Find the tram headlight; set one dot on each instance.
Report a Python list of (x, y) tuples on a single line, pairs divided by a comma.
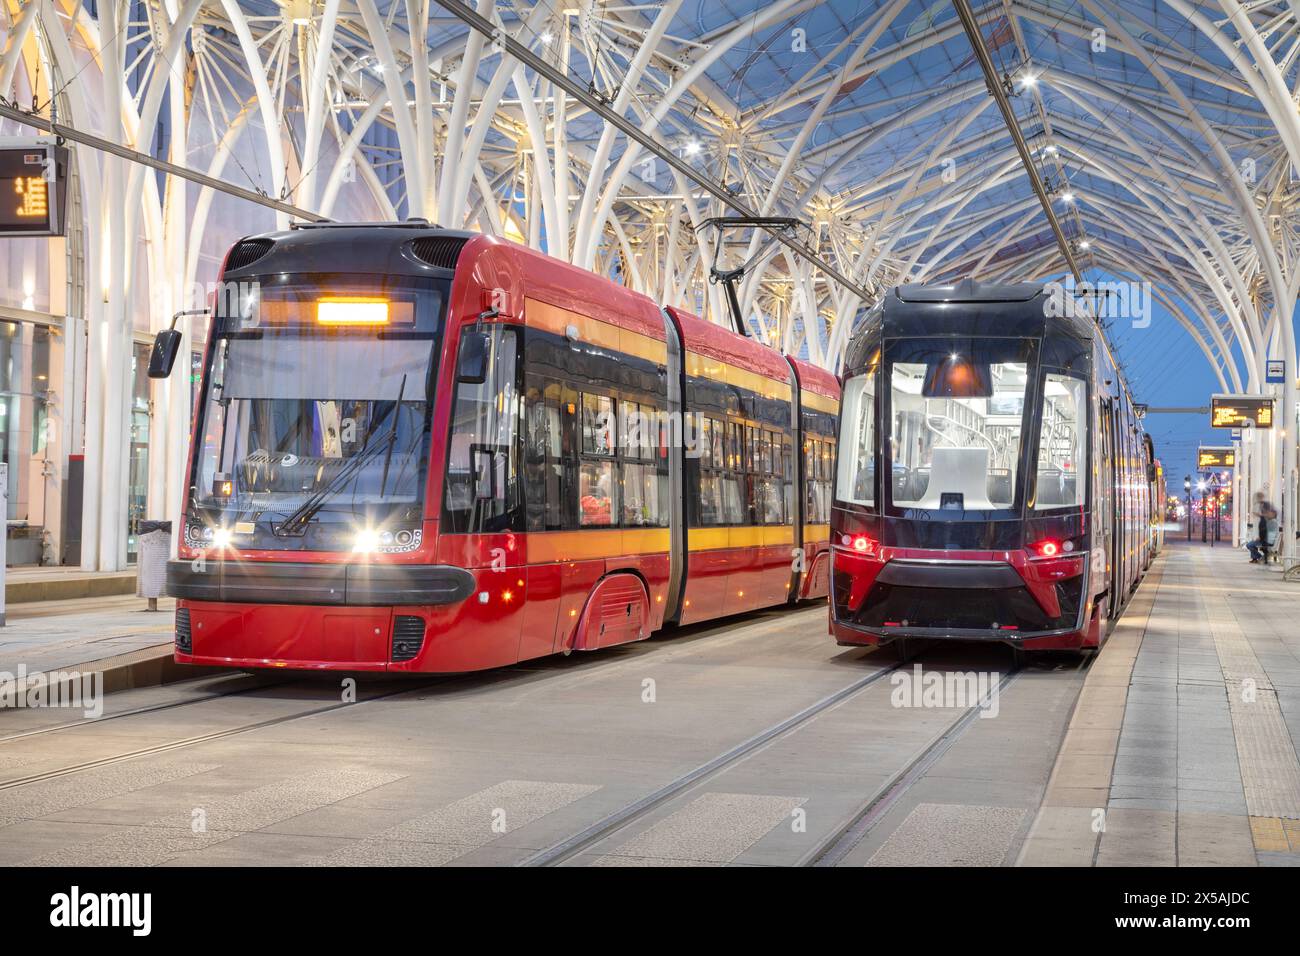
[(221, 538), (367, 540)]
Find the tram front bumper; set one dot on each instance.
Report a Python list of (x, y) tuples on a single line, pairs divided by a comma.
[(987, 596), (338, 585)]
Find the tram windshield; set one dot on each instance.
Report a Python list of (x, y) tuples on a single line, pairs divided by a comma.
[(317, 405), (958, 414)]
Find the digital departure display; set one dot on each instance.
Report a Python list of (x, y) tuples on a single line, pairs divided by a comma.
[(1234, 411), (33, 187), (1215, 458)]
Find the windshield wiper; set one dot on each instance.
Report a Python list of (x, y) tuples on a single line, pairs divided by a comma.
[(392, 438), (309, 508)]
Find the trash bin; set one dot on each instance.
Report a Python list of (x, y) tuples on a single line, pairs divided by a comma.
[(154, 539)]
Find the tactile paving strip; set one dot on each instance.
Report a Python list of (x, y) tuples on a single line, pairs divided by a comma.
[(1270, 770)]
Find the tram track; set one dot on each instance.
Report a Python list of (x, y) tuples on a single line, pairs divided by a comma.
[(844, 838), (205, 738), (585, 839), (147, 709)]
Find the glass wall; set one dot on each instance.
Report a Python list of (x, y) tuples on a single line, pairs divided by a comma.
[(24, 428), (137, 495)]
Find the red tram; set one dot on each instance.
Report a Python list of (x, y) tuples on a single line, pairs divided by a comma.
[(994, 481), (424, 450)]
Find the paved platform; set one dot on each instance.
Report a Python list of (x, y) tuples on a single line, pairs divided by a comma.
[(23, 585), (1182, 746), (103, 631)]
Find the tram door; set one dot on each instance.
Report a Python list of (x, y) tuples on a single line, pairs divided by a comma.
[(1110, 476)]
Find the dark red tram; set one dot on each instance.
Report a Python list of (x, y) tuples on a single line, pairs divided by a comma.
[(993, 479), (422, 450)]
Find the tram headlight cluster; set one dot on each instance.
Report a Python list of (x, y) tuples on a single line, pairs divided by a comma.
[(206, 536), (385, 541)]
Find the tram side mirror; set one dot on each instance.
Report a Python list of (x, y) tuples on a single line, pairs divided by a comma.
[(473, 362), (166, 346), (957, 377), (483, 459)]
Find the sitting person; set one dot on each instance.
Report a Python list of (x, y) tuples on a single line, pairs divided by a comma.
[(1264, 514)]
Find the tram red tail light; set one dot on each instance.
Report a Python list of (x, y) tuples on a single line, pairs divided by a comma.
[(860, 543), (1052, 548)]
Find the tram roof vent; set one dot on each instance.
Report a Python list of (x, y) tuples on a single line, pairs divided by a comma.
[(247, 252), (968, 290), (440, 251)]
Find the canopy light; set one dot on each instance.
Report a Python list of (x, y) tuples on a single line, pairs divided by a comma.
[(351, 310)]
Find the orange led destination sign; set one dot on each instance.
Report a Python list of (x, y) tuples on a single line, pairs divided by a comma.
[(33, 187), (1215, 458), (1235, 411)]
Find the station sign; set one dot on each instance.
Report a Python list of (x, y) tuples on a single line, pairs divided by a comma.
[(33, 186), (1275, 372), (1215, 457), (1235, 411)]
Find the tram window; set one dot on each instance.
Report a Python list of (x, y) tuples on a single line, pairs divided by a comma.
[(596, 493), (482, 478), (1062, 462), (956, 445), (597, 424), (733, 510), (711, 508), (771, 502), (856, 482), (644, 495), (817, 473), (543, 469), (704, 442), (718, 455), (640, 430)]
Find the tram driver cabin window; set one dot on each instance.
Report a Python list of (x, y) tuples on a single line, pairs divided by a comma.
[(1061, 477), (956, 422), (482, 462), (856, 481)]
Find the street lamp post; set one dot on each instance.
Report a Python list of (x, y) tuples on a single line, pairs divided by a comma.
[(1201, 487), (1187, 492), (1214, 496)]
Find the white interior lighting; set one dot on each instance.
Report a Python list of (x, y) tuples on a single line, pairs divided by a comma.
[(1067, 197), (692, 148)]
